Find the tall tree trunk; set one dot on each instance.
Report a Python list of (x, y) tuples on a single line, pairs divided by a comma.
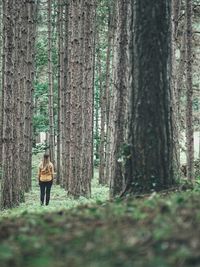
[(22, 75), (88, 62), (189, 93), (11, 187), (176, 4), (67, 97), (1, 78), (102, 123), (110, 97), (63, 98), (121, 95), (59, 134), (80, 69), (105, 101), (97, 103), (50, 79), (149, 152)]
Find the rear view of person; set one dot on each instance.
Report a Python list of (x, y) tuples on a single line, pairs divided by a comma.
[(45, 178)]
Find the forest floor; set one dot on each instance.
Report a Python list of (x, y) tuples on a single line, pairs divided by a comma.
[(158, 230), (153, 231)]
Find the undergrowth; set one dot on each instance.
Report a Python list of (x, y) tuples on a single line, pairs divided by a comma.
[(155, 231)]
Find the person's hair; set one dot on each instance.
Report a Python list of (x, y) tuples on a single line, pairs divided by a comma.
[(45, 162)]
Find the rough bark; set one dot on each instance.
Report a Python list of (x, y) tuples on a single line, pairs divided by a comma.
[(176, 4), (8, 189), (1, 79), (121, 95), (189, 94), (80, 81), (149, 152), (67, 94), (59, 170), (50, 81), (102, 161), (110, 104)]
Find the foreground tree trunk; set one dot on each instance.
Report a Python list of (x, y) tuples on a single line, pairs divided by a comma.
[(189, 111), (149, 152)]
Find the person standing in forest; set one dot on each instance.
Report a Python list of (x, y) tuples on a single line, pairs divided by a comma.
[(45, 178)]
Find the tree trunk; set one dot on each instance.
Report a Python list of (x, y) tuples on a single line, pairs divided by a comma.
[(80, 81), (67, 97), (149, 151), (102, 123), (59, 126), (8, 189), (50, 78), (121, 95), (175, 106), (189, 94), (1, 78)]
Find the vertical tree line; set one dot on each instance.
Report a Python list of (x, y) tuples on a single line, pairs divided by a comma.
[(111, 72)]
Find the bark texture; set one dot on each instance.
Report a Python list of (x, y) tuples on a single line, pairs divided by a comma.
[(189, 94), (19, 37), (121, 94), (50, 80), (80, 96), (149, 152)]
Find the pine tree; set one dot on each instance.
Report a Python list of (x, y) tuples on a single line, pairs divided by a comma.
[(149, 155)]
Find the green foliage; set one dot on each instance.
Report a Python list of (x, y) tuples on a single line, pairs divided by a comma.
[(39, 148), (40, 117)]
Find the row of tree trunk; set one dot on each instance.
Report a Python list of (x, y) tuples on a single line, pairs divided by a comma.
[(139, 131), (139, 144)]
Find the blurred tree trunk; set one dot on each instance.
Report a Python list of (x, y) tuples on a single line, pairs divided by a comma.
[(189, 94), (149, 151), (121, 96), (50, 78)]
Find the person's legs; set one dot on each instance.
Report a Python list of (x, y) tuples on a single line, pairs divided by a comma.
[(48, 190), (42, 192)]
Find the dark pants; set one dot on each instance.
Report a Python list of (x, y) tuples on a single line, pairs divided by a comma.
[(45, 189)]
